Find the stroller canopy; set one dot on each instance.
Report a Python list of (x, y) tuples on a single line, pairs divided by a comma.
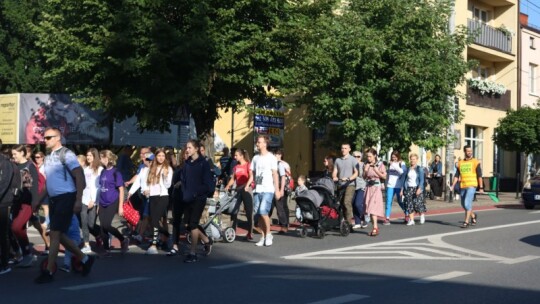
[(325, 183), (311, 195)]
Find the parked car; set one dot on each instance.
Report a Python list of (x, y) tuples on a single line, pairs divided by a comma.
[(530, 195)]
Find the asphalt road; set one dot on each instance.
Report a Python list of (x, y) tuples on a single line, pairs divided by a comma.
[(498, 261)]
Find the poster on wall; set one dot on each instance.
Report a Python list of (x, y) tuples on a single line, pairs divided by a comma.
[(77, 122), (269, 119), (9, 118)]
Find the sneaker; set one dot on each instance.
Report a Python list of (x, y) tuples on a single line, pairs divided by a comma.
[(410, 223), (26, 261), (208, 246), (87, 266), (191, 258), (269, 240), (260, 242), (249, 237), (15, 260), (363, 225), (406, 219), (86, 250), (152, 250), (5, 270), (422, 219), (44, 277), (125, 245), (386, 222), (66, 268), (357, 226)]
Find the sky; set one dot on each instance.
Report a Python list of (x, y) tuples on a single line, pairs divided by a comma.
[(531, 8)]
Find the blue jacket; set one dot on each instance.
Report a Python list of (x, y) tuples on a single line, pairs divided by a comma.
[(197, 181), (439, 168), (419, 177)]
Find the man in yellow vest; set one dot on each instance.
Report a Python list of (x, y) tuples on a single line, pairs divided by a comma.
[(469, 174)]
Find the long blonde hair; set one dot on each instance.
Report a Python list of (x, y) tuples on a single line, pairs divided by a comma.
[(153, 175)]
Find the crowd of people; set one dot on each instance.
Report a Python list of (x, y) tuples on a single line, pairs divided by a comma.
[(70, 198)]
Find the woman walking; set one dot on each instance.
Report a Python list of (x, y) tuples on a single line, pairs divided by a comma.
[(394, 184), (178, 204), (92, 172), (111, 192), (374, 172), (413, 190), (435, 172), (244, 191), (159, 181)]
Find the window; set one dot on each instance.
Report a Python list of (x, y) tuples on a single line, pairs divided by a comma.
[(483, 72), (481, 15), (531, 43), (532, 78), (474, 137)]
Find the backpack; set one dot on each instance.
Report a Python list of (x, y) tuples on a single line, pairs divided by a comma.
[(289, 181)]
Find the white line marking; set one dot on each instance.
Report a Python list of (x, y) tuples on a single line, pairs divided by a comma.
[(106, 283), (520, 259), (394, 242), (342, 299), (236, 265), (533, 212), (441, 277)]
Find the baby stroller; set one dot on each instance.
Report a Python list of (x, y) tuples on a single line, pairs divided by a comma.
[(321, 210), (213, 227)]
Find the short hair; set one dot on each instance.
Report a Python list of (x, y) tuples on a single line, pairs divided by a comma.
[(110, 156), (413, 155), (467, 147), (55, 129), (265, 137), (301, 177)]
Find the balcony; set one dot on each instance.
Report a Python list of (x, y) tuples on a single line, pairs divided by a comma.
[(496, 102), (489, 36)]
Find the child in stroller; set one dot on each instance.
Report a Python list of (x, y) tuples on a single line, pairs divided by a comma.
[(319, 207)]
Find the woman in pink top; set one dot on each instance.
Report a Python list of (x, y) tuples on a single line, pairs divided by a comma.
[(243, 178), (374, 172)]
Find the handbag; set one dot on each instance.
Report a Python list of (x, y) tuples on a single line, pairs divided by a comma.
[(131, 215)]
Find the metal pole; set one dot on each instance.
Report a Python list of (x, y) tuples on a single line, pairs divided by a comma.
[(517, 184)]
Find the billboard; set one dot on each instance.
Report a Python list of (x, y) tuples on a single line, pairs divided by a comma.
[(77, 122), (269, 119), (9, 118)]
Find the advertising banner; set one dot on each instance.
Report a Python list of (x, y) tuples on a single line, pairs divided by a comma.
[(9, 118), (78, 123), (269, 119)]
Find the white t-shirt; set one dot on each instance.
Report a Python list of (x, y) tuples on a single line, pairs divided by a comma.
[(411, 178), (262, 167), (92, 185), (394, 175)]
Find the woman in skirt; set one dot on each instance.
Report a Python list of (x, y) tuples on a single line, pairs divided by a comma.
[(413, 190)]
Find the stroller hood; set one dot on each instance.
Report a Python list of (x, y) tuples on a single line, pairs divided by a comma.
[(311, 195), (325, 183)]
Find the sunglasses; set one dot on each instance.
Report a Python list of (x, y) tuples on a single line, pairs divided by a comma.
[(37, 157), (50, 137), (358, 156)]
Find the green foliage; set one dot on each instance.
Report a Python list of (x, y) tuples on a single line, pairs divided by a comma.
[(385, 71), (519, 131), (21, 62)]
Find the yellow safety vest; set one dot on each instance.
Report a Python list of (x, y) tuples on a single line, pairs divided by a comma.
[(467, 173)]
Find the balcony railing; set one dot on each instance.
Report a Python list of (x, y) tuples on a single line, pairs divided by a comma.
[(489, 36), (496, 102)]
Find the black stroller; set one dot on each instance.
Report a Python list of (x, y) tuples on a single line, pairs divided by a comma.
[(320, 208)]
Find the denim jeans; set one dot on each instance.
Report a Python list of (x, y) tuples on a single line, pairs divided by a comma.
[(359, 206), (390, 192), (262, 202), (467, 196)]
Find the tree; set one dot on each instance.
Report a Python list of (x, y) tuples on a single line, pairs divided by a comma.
[(519, 131), (384, 71), (21, 64), (150, 58)]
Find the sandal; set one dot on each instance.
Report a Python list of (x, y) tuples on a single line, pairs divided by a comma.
[(173, 252), (374, 232), (473, 219), (465, 225)]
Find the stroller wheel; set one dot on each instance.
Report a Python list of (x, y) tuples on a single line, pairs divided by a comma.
[(302, 232), (44, 263), (229, 235), (320, 232), (344, 228)]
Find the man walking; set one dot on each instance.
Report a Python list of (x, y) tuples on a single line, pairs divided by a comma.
[(469, 174), (345, 171), (65, 184), (264, 171)]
